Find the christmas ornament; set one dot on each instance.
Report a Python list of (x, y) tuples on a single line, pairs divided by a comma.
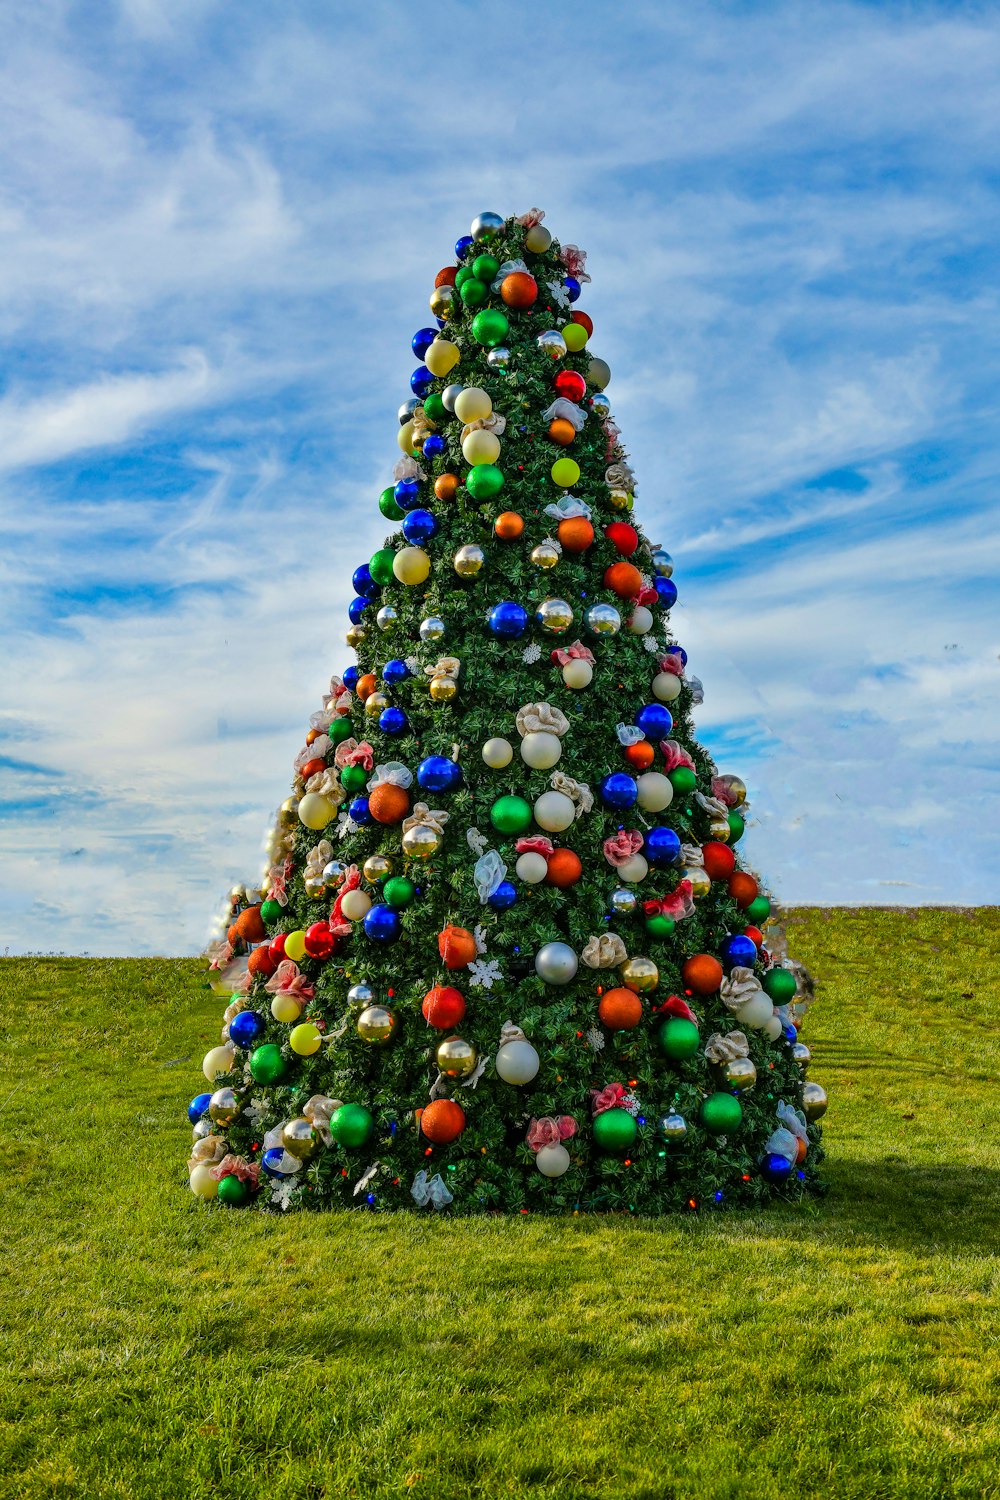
[(267, 1064), (556, 963), (509, 525), (355, 905), (565, 472), (575, 534), (510, 815), (734, 790), (552, 343), (639, 974), (517, 1062), (519, 289), (740, 1074), (376, 1025), (623, 902), (532, 868), (411, 565), (537, 239), (352, 1126), (388, 803), (305, 1039), (702, 974), (719, 860), (442, 1121), (421, 841), (666, 687), (603, 619), (814, 1101), (472, 404), (553, 1161), (554, 616), (679, 1039), (418, 526), (598, 374), (775, 1168), (484, 482), (382, 924), (546, 555), (620, 1009), (243, 1030), (569, 384), (457, 947), (563, 869), (553, 811), (440, 302), (498, 753), (224, 1106), (654, 791), (655, 721), (739, 950), (618, 791), (399, 892), (469, 560), (233, 1192), (456, 1058), (614, 1130), (443, 1007), (432, 629), (683, 780), (623, 579), (315, 811), (217, 1061), (780, 985), (481, 447), (673, 1127), (576, 337), (498, 358), (721, 1114), (508, 621), (203, 1182), (561, 432), (438, 773), (662, 846), (490, 327), (541, 750), (299, 1138)]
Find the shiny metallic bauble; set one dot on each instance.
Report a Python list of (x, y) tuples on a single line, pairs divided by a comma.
[(333, 871), (201, 1129), (239, 896), (441, 300), (376, 1025), (224, 1106), (599, 403), (432, 629), (736, 787), (663, 563), (740, 1074), (552, 343), (499, 359), (375, 702), (701, 882), (485, 227), (469, 560), (801, 1055), (620, 500), (355, 635), (421, 841), (720, 831), (387, 617), (673, 1127), (623, 902), (554, 616), (315, 886), (603, 619), (545, 555), (450, 395), (639, 974), (456, 1058), (814, 1101), (360, 995), (288, 812), (407, 409), (443, 689), (556, 963), (377, 867), (299, 1138)]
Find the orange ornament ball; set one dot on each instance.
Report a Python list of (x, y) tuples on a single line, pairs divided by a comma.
[(312, 735), (509, 525), (640, 756), (702, 974), (446, 276), (620, 1010), (457, 947), (442, 1121), (519, 289), (801, 1147), (584, 320), (575, 534), (232, 935), (623, 579), (365, 685), (564, 869), (388, 803), (720, 861), (743, 888), (261, 962), (250, 925), (446, 486), (561, 432), (313, 767)]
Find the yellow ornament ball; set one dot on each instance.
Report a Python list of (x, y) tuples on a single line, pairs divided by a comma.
[(472, 404), (305, 1039), (442, 357), (286, 1009), (202, 1182), (411, 565), (405, 437), (565, 472), (218, 1061), (315, 811), (295, 945), (481, 447), (575, 336), (537, 239)]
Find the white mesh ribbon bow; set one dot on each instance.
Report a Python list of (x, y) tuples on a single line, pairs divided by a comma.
[(629, 734), (568, 509), (430, 1190), (739, 986), (564, 410), (539, 718), (489, 873), (577, 791), (723, 1049), (393, 773)]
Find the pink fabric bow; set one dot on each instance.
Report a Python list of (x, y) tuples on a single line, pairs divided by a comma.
[(220, 955), (607, 1097), (575, 261), (550, 1130), (237, 1166), (723, 792), (675, 755), (533, 217), (620, 849), (672, 664), (351, 753), (577, 652), (678, 905), (339, 924), (646, 595), (277, 877), (536, 844), (337, 691), (286, 980)]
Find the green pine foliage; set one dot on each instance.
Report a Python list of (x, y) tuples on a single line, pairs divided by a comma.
[(490, 1166)]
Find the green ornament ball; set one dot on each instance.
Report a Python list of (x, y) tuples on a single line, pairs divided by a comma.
[(233, 1192), (353, 778), (614, 1129), (683, 780), (270, 911), (490, 327), (679, 1038), (267, 1064), (780, 985), (351, 1125), (380, 565), (484, 481), (340, 730), (659, 926), (387, 505), (399, 892), (737, 827), (434, 410), (758, 911), (721, 1113), (485, 268), (473, 293), (462, 275), (511, 815)]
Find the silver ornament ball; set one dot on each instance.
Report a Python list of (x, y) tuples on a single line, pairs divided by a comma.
[(387, 617), (450, 395), (554, 616), (499, 359), (486, 226), (673, 1127), (814, 1101), (360, 995), (432, 629), (407, 409), (603, 619), (801, 1055), (599, 403), (663, 563), (623, 901), (556, 963)]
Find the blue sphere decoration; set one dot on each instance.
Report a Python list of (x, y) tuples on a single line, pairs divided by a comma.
[(508, 620), (245, 1028), (419, 526), (439, 774), (572, 287), (356, 609), (619, 790), (406, 495), (364, 583), (395, 671), (679, 652), (739, 950), (198, 1106), (382, 923), (351, 675), (271, 1162), (463, 245), (666, 591), (393, 721), (655, 721), (505, 895), (358, 811), (791, 1035), (662, 846), (421, 380), (775, 1168), (422, 341), (433, 445)]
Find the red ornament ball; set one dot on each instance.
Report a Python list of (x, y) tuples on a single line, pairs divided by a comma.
[(443, 1007), (276, 947), (640, 756), (569, 384), (442, 1121), (623, 579), (446, 276), (702, 974), (313, 767), (519, 289), (319, 940), (584, 320), (720, 861), (755, 935), (564, 869), (743, 888), (623, 537)]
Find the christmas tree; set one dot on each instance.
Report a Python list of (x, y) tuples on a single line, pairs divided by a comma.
[(506, 956)]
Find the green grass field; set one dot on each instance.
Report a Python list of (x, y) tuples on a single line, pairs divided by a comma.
[(152, 1348)]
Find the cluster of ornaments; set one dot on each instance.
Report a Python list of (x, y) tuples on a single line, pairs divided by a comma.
[(370, 817)]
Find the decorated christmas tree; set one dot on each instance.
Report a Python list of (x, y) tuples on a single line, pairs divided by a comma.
[(506, 956)]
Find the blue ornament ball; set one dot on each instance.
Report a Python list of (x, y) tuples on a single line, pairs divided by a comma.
[(619, 790), (382, 923), (422, 341), (791, 1035), (351, 675), (356, 609), (505, 895), (421, 380), (364, 583), (666, 592), (406, 494), (572, 287), (358, 811), (662, 846), (198, 1106), (245, 1028), (395, 671), (508, 621), (438, 774), (679, 652), (419, 526), (463, 245), (271, 1162), (433, 445), (655, 721), (775, 1168), (739, 950), (393, 721)]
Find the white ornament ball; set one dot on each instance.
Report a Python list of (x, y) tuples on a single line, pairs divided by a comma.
[(756, 1012), (578, 674), (218, 1061), (655, 791), (315, 811), (556, 963), (773, 1028), (634, 869), (641, 620), (554, 811), (540, 750), (202, 1182), (356, 905), (481, 447), (498, 753), (532, 868), (552, 1161), (472, 404), (666, 687), (517, 1062)]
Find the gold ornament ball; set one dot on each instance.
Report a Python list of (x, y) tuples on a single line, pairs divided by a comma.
[(639, 974), (224, 1106), (456, 1058), (441, 300), (720, 831), (736, 787), (299, 1138), (740, 1074), (420, 842), (545, 555), (814, 1101), (701, 882), (801, 1055), (443, 689), (376, 1025), (288, 812), (375, 702), (469, 560), (620, 500), (355, 635), (554, 616), (377, 867)]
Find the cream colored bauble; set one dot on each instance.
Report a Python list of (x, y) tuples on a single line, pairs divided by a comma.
[(405, 437), (411, 565), (356, 905), (498, 753), (203, 1182), (472, 404), (315, 811), (517, 1062), (666, 687), (286, 1008), (537, 239), (554, 811), (442, 357), (552, 1161), (578, 674), (773, 1028), (541, 750), (655, 791), (634, 869), (756, 1012), (640, 621), (531, 868), (218, 1061), (480, 447)]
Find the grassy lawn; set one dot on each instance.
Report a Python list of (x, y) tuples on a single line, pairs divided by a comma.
[(155, 1349)]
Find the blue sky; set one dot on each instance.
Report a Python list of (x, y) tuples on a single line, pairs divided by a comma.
[(218, 231)]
